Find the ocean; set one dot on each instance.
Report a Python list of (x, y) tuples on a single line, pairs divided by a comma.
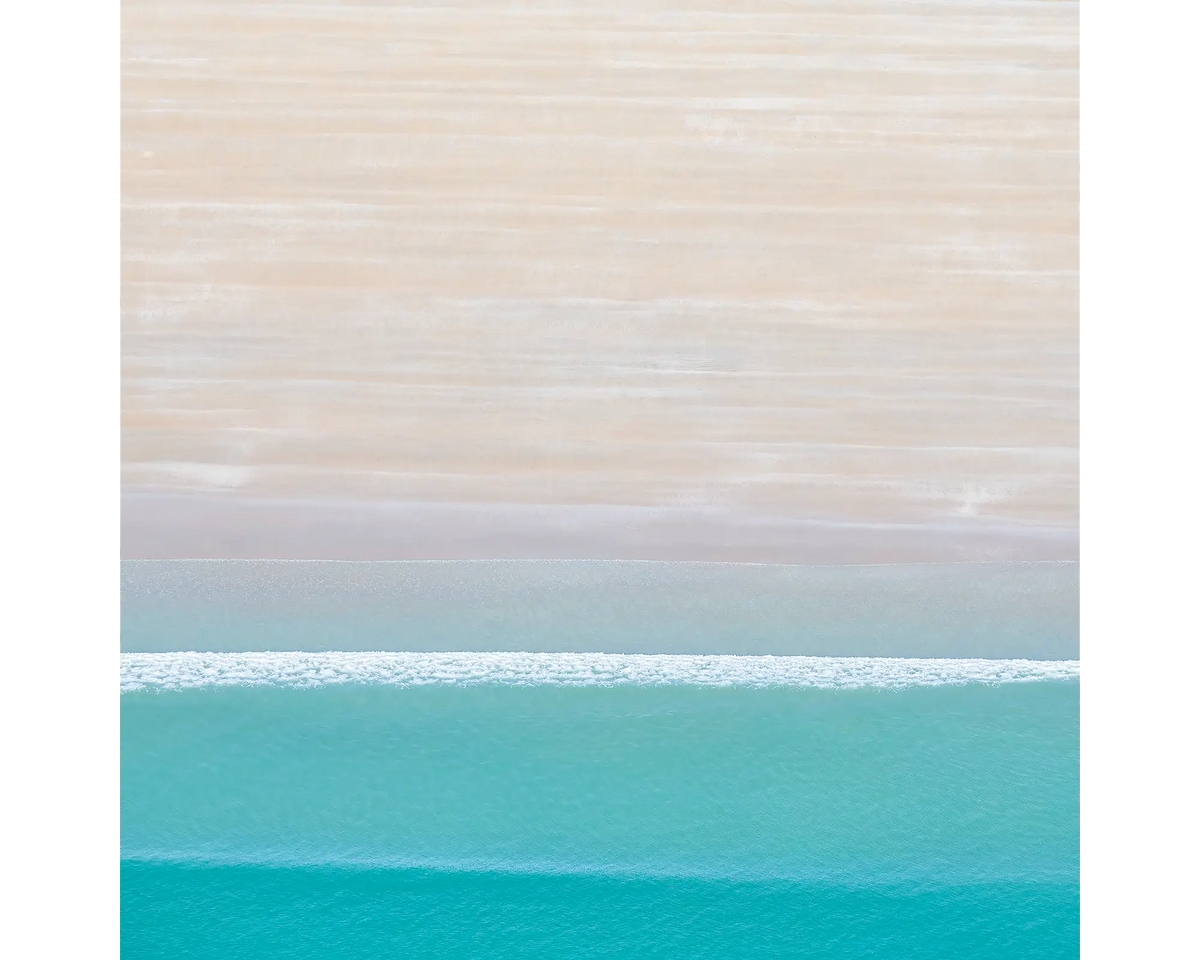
[(562, 804)]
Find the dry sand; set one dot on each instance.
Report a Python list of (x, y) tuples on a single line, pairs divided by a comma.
[(769, 281)]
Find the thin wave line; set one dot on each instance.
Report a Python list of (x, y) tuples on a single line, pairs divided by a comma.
[(724, 870)]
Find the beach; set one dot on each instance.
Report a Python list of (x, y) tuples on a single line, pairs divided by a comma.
[(600, 481)]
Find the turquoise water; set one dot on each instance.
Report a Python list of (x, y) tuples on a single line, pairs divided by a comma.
[(182, 911), (640, 820)]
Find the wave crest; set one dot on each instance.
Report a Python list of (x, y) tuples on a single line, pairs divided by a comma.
[(177, 671)]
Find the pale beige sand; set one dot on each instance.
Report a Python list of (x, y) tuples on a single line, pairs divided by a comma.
[(768, 263)]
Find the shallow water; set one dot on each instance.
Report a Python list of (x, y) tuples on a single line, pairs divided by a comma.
[(614, 606)]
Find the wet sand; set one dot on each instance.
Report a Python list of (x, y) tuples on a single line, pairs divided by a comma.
[(166, 526)]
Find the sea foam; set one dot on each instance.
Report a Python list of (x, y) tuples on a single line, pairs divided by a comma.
[(175, 671)]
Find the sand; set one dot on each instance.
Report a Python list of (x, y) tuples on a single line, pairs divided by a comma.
[(793, 282)]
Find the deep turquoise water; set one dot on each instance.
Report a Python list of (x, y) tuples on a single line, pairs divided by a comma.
[(183, 911), (543, 821)]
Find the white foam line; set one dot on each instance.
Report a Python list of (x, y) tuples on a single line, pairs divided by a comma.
[(177, 671)]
